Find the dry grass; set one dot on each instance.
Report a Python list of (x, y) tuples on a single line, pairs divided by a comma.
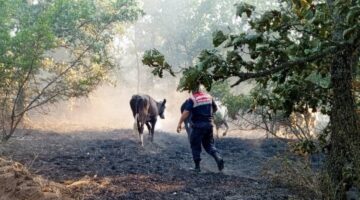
[(17, 183), (295, 173)]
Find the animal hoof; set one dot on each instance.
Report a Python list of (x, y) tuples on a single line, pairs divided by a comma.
[(224, 134)]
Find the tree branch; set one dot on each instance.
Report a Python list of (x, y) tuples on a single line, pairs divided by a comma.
[(22, 85), (243, 76)]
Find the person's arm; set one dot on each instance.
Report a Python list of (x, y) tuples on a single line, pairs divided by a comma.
[(184, 115)]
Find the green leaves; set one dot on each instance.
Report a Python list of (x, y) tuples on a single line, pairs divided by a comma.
[(218, 38), (352, 33), (276, 38), (244, 8), (353, 20), (153, 58), (245, 39), (268, 20), (302, 8), (234, 103), (194, 76), (54, 50), (305, 147), (237, 103), (300, 57), (353, 15)]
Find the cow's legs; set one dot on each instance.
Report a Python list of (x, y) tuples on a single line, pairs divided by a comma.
[(136, 124), (217, 132), (141, 135), (153, 122), (148, 127), (226, 129), (140, 126)]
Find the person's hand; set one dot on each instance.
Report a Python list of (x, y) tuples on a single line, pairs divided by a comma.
[(178, 129)]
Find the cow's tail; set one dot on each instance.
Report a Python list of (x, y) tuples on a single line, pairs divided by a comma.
[(142, 110), (136, 124)]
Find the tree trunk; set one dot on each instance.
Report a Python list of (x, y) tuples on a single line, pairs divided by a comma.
[(343, 163), (343, 159)]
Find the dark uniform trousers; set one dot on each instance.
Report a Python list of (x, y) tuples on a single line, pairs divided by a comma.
[(202, 136), (188, 127)]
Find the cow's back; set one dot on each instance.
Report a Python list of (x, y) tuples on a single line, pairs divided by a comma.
[(140, 105), (153, 108)]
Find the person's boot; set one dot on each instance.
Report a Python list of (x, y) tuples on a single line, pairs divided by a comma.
[(219, 161), (197, 166)]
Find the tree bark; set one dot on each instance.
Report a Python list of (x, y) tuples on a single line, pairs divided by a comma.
[(343, 159)]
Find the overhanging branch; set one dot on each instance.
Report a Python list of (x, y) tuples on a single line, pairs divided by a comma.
[(243, 76)]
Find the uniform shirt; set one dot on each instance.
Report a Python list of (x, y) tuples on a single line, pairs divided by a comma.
[(201, 106), (183, 106)]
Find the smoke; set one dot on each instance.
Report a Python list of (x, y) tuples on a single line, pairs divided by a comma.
[(164, 28), (106, 108)]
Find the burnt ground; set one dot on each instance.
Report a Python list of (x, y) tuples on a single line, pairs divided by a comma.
[(110, 164)]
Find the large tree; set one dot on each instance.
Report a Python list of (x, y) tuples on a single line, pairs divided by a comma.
[(54, 49), (287, 50)]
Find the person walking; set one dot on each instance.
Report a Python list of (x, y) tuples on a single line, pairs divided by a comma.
[(201, 106), (187, 121)]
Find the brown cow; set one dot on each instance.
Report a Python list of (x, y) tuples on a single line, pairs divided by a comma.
[(145, 111)]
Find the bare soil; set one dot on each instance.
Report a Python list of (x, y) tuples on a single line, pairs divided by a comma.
[(110, 164)]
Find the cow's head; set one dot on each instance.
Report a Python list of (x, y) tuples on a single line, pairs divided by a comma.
[(162, 109)]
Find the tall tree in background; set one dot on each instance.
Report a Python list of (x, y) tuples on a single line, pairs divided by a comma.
[(53, 50), (287, 50)]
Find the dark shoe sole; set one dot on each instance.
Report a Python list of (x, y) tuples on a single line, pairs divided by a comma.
[(195, 170)]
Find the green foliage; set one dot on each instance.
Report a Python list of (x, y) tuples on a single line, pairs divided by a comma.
[(305, 147), (220, 90), (293, 55), (277, 38), (244, 8), (194, 76), (54, 50), (155, 59), (218, 38), (235, 104), (351, 34)]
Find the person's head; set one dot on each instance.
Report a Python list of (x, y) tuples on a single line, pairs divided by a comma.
[(162, 107), (199, 88)]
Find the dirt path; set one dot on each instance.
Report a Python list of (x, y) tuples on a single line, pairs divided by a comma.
[(111, 165)]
